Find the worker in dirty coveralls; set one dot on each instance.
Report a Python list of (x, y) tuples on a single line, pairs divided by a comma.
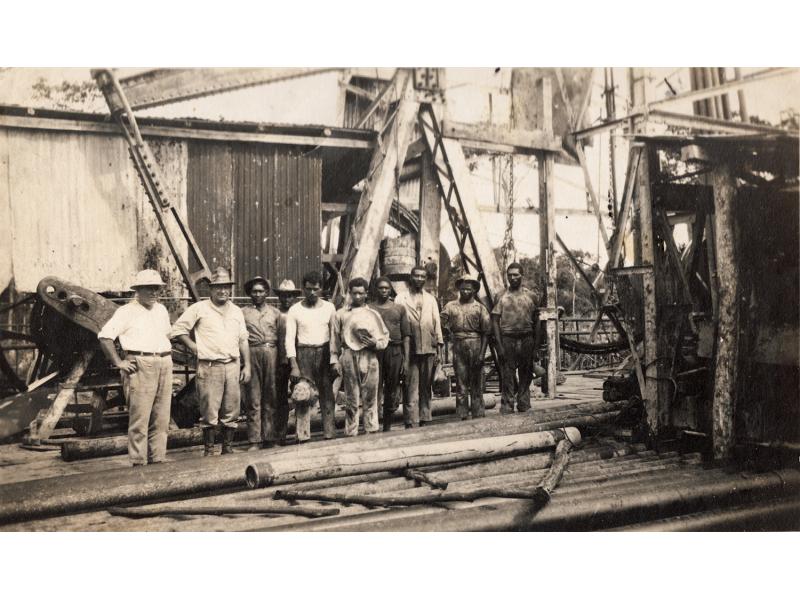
[(142, 327), (287, 294), (426, 348), (220, 343), (308, 351), (514, 323), (394, 359), (468, 324), (357, 332), (261, 321)]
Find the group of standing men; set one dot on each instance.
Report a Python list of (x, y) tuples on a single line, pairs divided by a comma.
[(388, 345)]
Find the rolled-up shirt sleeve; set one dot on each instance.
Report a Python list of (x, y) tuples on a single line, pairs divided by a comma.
[(335, 325), (291, 335), (243, 335), (111, 330), (185, 323)]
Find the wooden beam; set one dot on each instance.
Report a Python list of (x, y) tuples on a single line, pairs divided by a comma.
[(547, 236), (376, 198), (592, 195), (725, 372), (579, 267), (15, 122), (166, 86), (430, 220), (645, 204), (518, 141), (700, 123)]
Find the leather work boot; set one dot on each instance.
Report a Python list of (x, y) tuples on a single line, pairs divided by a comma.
[(227, 439), (208, 441)]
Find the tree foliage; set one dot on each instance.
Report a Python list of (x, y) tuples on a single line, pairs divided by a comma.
[(68, 95), (568, 280)]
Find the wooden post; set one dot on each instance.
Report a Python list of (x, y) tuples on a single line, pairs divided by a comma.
[(41, 429), (430, 219), (376, 199), (724, 402), (547, 236), (644, 201)]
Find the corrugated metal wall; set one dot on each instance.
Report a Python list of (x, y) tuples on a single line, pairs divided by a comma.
[(256, 208), (73, 207), (78, 211)]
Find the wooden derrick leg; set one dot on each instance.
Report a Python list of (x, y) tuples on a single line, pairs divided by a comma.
[(43, 429), (650, 392), (728, 324)]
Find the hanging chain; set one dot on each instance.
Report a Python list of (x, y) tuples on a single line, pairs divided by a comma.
[(508, 240)]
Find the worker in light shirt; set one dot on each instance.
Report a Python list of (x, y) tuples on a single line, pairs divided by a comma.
[(220, 341), (308, 351), (142, 328)]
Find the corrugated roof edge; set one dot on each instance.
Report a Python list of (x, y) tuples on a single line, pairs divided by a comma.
[(198, 124)]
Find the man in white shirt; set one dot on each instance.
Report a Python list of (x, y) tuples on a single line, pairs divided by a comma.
[(220, 340), (142, 327), (308, 350), (357, 332)]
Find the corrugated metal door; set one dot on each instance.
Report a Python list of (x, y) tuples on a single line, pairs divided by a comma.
[(256, 208), (278, 215)]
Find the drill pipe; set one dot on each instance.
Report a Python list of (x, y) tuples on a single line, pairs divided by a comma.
[(88, 491), (262, 474), (580, 512)]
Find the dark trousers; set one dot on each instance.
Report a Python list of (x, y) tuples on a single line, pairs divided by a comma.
[(282, 399), (262, 397), (417, 399), (390, 363), (468, 365), (517, 373), (314, 363)]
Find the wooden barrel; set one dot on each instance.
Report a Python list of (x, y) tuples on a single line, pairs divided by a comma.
[(398, 256)]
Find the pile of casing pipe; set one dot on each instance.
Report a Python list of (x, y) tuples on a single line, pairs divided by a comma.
[(589, 457), (776, 515), (88, 491), (181, 438), (377, 495), (622, 502), (279, 471)]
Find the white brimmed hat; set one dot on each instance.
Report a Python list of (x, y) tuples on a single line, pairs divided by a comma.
[(287, 287), (148, 277), (468, 279)]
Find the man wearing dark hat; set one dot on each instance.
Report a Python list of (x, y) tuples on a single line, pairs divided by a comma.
[(357, 332), (220, 342), (514, 322), (287, 294), (394, 360), (142, 327), (468, 324), (261, 321)]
